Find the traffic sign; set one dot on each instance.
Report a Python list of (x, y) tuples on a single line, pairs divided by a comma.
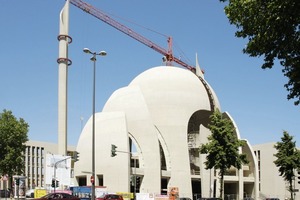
[(4, 178), (92, 180)]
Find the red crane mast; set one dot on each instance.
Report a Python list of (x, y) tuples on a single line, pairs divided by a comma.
[(105, 18)]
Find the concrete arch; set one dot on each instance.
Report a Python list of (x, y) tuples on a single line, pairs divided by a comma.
[(165, 149)]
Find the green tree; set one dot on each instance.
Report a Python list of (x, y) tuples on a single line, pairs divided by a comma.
[(223, 146), (288, 159), (13, 134), (272, 28)]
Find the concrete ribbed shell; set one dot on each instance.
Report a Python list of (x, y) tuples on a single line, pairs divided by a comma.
[(172, 90)]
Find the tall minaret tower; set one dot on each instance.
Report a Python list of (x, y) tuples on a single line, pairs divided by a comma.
[(63, 63)]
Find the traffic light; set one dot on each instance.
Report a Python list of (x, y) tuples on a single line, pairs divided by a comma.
[(132, 180), (138, 180), (113, 150), (53, 183), (17, 181), (76, 156), (298, 177), (56, 183)]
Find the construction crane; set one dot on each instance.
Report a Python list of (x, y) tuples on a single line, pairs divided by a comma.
[(168, 54)]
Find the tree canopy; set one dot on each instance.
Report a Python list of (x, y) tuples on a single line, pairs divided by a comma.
[(272, 28), (288, 159), (13, 134), (223, 146)]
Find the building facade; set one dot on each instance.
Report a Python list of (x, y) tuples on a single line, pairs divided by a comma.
[(271, 184), (163, 114), (35, 162)]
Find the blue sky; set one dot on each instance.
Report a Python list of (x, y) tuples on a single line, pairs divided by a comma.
[(254, 97)]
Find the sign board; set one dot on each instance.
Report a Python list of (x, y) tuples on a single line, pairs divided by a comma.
[(84, 192), (126, 195), (19, 186), (39, 193), (173, 193), (61, 170)]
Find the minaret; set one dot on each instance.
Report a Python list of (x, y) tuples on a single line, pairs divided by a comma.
[(63, 63), (199, 72)]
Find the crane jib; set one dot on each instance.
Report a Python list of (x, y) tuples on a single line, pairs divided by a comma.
[(105, 18)]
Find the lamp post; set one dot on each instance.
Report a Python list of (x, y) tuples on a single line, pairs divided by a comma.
[(94, 59)]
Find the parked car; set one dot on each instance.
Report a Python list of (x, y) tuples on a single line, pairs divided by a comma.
[(58, 195), (110, 197), (30, 193), (185, 198)]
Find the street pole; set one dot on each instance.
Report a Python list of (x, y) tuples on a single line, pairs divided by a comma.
[(134, 197), (93, 131), (210, 188), (93, 58)]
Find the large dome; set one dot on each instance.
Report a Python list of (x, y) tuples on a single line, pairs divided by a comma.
[(167, 92), (165, 88)]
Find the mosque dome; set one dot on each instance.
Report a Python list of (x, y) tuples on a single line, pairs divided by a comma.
[(170, 94), (165, 88)]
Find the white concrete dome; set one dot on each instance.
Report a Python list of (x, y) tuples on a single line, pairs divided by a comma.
[(158, 112), (167, 87)]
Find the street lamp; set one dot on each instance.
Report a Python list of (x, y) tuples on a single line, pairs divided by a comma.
[(93, 58)]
